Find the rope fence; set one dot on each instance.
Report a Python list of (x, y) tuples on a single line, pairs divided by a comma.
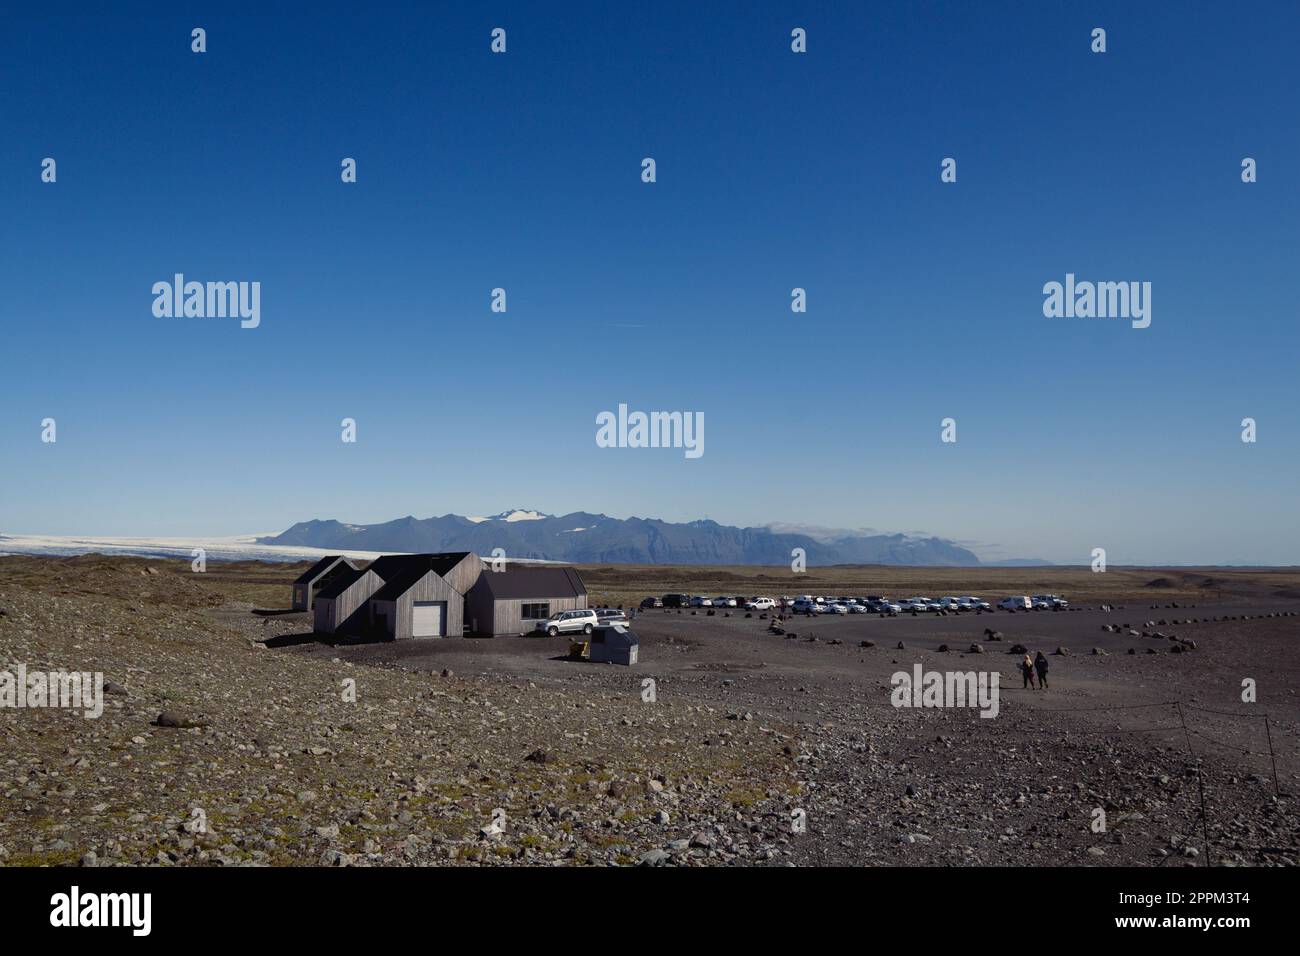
[(1188, 733)]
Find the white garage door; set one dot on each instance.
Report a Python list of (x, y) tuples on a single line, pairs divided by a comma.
[(427, 618)]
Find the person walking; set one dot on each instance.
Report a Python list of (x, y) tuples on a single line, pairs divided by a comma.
[(1027, 669), (1040, 665)]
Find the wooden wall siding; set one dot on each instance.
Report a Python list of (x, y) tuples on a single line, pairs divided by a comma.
[(431, 587), (507, 614), (478, 608), (504, 618), (388, 610), (323, 617), (464, 575), (302, 595), (347, 612)]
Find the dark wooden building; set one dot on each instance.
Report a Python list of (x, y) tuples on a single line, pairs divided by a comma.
[(341, 604), (422, 595), (316, 577), (511, 602)]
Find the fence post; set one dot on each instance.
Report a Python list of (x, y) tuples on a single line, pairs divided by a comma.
[(1277, 790), (1200, 783)]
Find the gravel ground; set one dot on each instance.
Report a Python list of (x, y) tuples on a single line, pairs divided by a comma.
[(757, 748)]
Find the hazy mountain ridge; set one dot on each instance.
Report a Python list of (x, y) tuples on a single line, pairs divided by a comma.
[(583, 537)]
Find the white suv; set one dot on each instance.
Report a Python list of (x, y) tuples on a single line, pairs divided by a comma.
[(568, 621), (760, 604)]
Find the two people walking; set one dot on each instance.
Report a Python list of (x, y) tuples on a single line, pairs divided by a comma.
[(1031, 666)]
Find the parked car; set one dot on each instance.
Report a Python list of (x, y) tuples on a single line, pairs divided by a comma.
[(760, 604), (949, 604), (835, 608), (883, 606), (920, 605), (1040, 603), (567, 622), (856, 608), (699, 601), (724, 601), (611, 616), (651, 602), (1055, 600), (677, 600), (1021, 603), (975, 604)]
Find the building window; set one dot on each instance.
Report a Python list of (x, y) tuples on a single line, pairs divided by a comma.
[(536, 611)]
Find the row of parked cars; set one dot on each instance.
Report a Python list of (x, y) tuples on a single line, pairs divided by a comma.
[(872, 604), (698, 600)]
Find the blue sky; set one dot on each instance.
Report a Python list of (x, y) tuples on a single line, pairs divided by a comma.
[(775, 170)]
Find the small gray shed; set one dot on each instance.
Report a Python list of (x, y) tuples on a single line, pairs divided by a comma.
[(613, 644)]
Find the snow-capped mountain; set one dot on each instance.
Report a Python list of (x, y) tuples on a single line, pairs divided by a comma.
[(582, 537), (514, 514)]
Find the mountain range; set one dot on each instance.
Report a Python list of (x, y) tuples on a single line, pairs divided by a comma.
[(585, 538)]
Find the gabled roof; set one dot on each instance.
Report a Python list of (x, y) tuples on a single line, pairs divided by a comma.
[(401, 572), (319, 568), (339, 582), (533, 583), (390, 566)]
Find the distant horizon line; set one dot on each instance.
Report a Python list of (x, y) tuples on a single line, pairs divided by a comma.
[(27, 545)]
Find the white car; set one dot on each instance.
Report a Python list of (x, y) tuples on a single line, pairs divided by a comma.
[(760, 604), (698, 601), (835, 608), (921, 605), (856, 608), (724, 602), (1021, 603), (567, 622), (949, 604), (970, 603), (611, 616), (1040, 603)]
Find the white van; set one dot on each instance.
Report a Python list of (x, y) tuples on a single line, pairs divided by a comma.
[(1021, 603)]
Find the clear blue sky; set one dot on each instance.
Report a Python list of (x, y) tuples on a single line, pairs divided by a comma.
[(775, 170)]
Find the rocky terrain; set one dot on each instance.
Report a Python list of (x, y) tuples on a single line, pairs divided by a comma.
[(232, 736)]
